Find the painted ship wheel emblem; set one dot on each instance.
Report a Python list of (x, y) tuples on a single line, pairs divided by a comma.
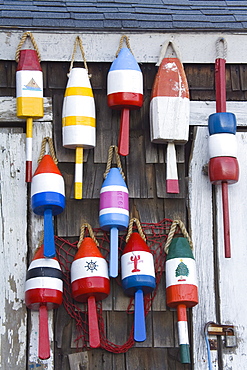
[(91, 266)]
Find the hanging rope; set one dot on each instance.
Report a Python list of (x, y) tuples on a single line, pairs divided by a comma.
[(126, 39), (78, 41), (112, 149), (139, 228), (172, 232), (24, 36), (91, 233), (164, 49), (52, 150), (223, 53)]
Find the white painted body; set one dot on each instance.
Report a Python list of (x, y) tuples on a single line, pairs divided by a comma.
[(145, 264), (124, 81), (222, 145), (80, 268)]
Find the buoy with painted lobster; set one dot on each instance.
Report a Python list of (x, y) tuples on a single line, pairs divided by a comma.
[(48, 198), (29, 93), (181, 288), (114, 210), (90, 283), (138, 278), (78, 118), (43, 291), (170, 111), (124, 90)]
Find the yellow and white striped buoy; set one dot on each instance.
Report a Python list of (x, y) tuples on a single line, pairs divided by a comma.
[(78, 120)]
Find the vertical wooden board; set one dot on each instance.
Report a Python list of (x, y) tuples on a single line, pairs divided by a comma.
[(13, 249), (201, 232), (117, 327), (150, 210), (148, 342), (163, 329), (143, 359), (232, 271), (159, 302)]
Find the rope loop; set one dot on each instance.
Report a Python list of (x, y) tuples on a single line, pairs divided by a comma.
[(223, 53), (174, 225), (112, 149), (51, 147), (139, 228), (164, 49), (23, 39), (78, 41), (126, 39), (82, 233)]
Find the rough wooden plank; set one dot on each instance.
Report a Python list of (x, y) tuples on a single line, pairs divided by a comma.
[(201, 232), (78, 361), (159, 302), (117, 327), (151, 359), (13, 249), (160, 174), (235, 77), (243, 76), (163, 329), (149, 210)]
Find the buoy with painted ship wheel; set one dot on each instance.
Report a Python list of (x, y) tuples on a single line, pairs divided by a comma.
[(138, 279), (29, 94), (43, 291), (90, 283), (181, 288), (48, 198), (170, 111), (124, 91)]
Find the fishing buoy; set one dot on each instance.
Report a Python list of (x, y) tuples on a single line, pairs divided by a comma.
[(43, 291), (114, 212), (78, 120), (48, 198), (181, 288), (169, 114), (29, 96), (223, 166), (124, 92), (90, 283), (138, 279)]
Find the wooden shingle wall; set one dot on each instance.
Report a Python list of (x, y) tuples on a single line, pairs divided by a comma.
[(145, 176)]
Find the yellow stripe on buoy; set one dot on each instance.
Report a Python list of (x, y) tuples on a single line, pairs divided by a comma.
[(75, 120), (85, 91), (78, 172), (29, 127), (29, 107)]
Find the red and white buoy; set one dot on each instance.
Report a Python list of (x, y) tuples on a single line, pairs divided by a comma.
[(169, 113), (29, 94), (90, 282), (43, 291)]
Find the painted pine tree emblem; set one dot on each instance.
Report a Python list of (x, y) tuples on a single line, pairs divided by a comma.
[(182, 270)]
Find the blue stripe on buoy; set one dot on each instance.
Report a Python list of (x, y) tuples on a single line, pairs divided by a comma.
[(47, 199), (109, 220), (222, 122), (132, 283), (125, 60)]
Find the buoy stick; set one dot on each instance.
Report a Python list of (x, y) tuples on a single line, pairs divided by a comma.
[(220, 84), (172, 185), (94, 337), (123, 143), (139, 317), (113, 269), (226, 220), (44, 343), (29, 139), (78, 172), (183, 336), (49, 244)]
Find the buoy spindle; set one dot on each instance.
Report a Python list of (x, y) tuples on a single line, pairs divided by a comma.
[(139, 317), (78, 173), (44, 341), (123, 142)]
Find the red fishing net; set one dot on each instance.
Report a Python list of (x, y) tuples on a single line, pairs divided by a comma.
[(156, 236)]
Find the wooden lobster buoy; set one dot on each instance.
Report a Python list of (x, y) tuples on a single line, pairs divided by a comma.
[(181, 288), (138, 278), (169, 114), (43, 291), (78, 120), (29, 94), (124, 92), (114, 212), (223, 165), (48, 198), (90, 282)]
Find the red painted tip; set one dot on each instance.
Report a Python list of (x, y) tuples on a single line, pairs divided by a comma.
[(29, 60), (28, 171), (40, 253), (44, 343), (88, 248), (123, 143), (136, 243), (47, 165), (94, 337), (172, 186)]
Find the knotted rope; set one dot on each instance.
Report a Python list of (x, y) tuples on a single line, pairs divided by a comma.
[(112, 149), (24, 36), (52, 150), (174, 225)]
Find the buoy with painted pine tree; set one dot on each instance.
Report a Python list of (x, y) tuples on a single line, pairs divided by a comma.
[(90, 283), (48, 198), (170, 111), (181, 288), (124, 91), (43, 291), (78, 119), (29, 93)]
